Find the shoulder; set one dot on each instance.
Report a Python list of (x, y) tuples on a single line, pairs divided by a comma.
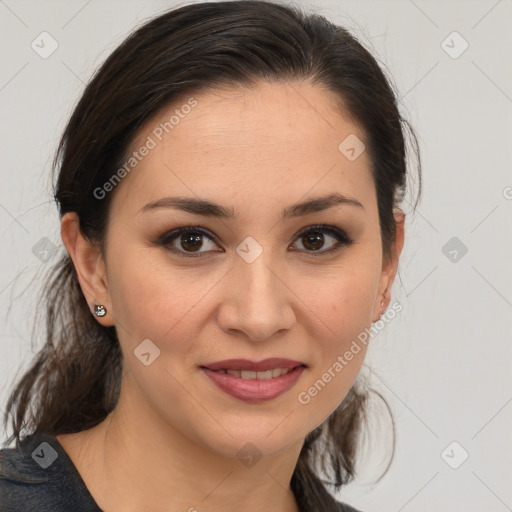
[(37, 474)]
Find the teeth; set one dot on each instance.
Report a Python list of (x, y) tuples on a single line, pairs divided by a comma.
[(265, 375), (277, 372)]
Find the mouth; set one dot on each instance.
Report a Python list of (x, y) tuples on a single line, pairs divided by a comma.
[(254, 381), (271, 373)]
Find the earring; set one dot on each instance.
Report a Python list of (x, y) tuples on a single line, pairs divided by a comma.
[(100, 310)]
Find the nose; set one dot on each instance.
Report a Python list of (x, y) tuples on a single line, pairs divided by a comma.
[(256, 301)]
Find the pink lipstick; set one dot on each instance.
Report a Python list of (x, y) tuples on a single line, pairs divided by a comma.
[(254, 381)]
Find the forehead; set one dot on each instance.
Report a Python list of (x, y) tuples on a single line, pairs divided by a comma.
[(274, 141)]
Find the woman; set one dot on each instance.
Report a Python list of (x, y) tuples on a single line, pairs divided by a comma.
[(229, 188)]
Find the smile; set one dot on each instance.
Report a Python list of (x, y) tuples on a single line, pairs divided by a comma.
[(264, 375), (254, 382)]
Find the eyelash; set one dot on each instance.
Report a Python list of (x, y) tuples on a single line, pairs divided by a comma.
[(342, 239)]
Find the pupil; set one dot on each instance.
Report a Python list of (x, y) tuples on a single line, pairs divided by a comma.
[(316, 240), (191, 242)]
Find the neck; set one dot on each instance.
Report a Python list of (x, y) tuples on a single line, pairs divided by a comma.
[(135, 461)]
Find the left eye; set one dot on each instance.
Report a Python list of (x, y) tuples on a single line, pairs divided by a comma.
[(314, 238)]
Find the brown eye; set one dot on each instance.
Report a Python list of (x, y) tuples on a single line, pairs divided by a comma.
[(313, 241), (323, 239), (189, 241)]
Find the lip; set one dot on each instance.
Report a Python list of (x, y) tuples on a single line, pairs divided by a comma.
[(251, 366), (254, 390)]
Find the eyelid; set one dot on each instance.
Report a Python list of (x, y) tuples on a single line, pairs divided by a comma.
[(326, 228)]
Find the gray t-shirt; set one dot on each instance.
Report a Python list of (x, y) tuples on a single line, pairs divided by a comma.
[(39, 476)]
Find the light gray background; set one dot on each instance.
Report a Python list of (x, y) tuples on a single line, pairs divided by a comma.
[(444, 362)]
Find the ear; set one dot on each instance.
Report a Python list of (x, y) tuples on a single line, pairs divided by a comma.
[(390, 267), (89, 266)]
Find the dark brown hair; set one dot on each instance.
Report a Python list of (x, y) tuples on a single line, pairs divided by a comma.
[(74, 381)]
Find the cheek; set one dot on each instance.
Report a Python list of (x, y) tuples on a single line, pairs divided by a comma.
[(152, 299), (344, 306), (343, 300)]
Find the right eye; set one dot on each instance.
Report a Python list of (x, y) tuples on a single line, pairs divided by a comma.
[(187, 241)]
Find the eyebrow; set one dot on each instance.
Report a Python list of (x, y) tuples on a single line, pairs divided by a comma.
[(208, 208)]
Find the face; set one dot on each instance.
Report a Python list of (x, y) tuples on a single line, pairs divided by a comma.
[(270, 278)]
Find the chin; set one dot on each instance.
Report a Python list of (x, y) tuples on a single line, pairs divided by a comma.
[(250, 441), (247, 447)]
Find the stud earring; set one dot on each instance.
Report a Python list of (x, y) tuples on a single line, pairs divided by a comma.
[(100, 310)]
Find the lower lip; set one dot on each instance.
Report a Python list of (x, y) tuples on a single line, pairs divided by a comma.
[(254, 390)]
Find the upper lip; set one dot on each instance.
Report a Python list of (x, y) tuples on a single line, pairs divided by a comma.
[(245, 364)]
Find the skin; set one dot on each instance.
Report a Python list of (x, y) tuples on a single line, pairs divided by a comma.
[(171, 442)]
